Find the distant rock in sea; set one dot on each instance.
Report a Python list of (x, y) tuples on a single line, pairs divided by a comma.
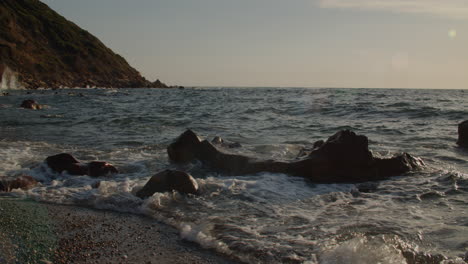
[(40, 48), (463, 134)]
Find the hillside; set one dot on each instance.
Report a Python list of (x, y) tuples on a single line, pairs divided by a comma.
[(40, 48)]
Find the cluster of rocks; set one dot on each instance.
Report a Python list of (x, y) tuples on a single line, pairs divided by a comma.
[(342, 158)]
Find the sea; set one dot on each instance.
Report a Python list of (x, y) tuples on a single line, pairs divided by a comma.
[(418, 217)]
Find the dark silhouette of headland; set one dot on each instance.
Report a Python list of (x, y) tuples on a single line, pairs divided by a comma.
[(40, 48)]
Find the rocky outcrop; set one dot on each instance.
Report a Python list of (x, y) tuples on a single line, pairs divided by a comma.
[(169, 180), (344, 157), (66, 162), (22, 182), (463, 134), (43, 49)]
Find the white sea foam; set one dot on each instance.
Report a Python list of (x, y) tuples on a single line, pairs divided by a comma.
[(364, 250)]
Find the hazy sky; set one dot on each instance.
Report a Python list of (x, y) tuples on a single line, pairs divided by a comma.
[(294, 43)]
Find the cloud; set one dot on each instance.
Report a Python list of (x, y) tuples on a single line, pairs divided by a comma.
[(455, 9)]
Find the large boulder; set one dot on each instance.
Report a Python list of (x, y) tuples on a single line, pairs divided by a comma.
[(66, 162), (22, 182), (344, 157), (463, 134), (169, 180)]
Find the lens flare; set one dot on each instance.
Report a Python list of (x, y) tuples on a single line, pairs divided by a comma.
[(452, 33)]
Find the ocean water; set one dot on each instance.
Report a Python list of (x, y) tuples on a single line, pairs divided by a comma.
[(262, 218)]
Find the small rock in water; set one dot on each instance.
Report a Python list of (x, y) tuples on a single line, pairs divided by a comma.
[(463, 134)]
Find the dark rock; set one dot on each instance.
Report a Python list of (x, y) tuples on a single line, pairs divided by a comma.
[(184, 148), (30, 104), (169, 180), (344, 157), (318, 144), (66, 162), (100, 168), (463, 134), (22, 182)]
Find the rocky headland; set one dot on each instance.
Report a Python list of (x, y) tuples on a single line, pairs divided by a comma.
[(40, 48)]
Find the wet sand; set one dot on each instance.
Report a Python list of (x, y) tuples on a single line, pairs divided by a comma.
[(48, 233)]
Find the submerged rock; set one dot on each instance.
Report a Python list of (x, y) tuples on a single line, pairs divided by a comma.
[(22, 182), (463, 134), (344, 157), (169, 180), (66, 162)]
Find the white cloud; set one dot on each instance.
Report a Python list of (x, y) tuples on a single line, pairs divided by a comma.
[(455, 9)]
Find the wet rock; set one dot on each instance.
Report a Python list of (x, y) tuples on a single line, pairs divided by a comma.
[(31, 104), (100, 168), (318, 144), (225, 144), (66, 162), (169, 180), (463, 134), (22, 182), (344, 157), (184, 148)]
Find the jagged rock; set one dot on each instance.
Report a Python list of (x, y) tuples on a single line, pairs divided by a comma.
[(463, 134), (169, 180), (344, 157)]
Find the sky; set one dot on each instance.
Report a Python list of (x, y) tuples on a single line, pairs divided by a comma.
[(284, 43)]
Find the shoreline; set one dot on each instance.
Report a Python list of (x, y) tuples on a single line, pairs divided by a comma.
[(50, 233)]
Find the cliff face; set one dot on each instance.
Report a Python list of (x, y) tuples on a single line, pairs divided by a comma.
[(40, 48)]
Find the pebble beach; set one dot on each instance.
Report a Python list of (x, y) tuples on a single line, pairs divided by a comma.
[(48, 233)]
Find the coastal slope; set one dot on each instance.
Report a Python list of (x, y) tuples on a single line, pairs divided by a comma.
[(40, 48)]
